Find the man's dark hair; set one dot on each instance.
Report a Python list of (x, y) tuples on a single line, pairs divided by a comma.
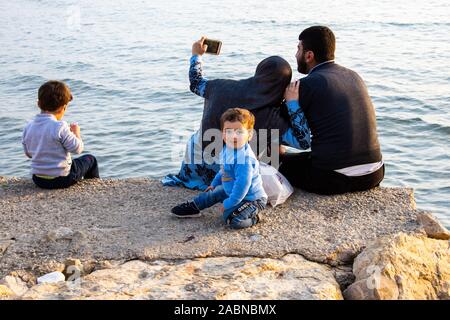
[(53, 94), (320, 40)]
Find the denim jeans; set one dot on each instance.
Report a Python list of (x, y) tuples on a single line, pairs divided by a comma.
[(84, 167), (243, 215)]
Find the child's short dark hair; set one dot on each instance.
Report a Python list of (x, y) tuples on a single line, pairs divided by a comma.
[(53, 94), (237, 114)]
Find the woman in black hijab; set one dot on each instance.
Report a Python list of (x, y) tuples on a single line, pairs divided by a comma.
[(262, 94)]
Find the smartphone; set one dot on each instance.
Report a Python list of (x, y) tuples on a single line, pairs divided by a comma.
[(213, 46)]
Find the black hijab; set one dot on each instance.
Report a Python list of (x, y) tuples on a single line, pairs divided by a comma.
[(262, 94)]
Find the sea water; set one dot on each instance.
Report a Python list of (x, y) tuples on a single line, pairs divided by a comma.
[(127, 65)]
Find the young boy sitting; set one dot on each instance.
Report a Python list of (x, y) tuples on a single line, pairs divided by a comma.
[(238, 184), (48, 141)]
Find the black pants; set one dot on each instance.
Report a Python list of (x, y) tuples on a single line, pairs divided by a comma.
[(83, 167), (298, 169)]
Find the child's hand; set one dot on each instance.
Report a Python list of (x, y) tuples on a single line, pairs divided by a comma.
[(221, 208), (209, 188), (292, 91), (198, 48), (75, 128)]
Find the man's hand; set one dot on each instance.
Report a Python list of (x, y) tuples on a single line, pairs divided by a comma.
[(75, 128), (198, 48), (221, 208), (209, 188), (292, 91)]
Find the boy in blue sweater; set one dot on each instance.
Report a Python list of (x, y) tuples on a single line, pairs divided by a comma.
[(238, 184)]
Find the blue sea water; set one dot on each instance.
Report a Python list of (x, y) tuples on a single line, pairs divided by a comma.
[(127, 61)]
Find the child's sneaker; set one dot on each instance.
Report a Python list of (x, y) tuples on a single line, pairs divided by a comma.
[(186, 210)]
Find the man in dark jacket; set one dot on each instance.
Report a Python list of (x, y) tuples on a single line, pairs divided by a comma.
[(345, 153)]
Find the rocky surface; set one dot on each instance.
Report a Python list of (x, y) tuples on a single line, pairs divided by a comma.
[(291, 277), (432, 226), (102, 224), (6, 292), (129, 219), (17, 286), (402, 267)]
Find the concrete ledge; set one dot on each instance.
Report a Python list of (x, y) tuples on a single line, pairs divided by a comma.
[(129, 219)]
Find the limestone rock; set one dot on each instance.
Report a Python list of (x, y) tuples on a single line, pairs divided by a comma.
[(402, 267), (291, 277), (27, 277), (372, 288), (73, 268), (16, 285), (5, 292), (50, 266), (432, 226)]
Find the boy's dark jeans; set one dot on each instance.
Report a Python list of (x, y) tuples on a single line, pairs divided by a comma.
[(83, 167), (243, 215)]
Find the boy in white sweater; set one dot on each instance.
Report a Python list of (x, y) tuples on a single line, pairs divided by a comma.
[(48, 141)]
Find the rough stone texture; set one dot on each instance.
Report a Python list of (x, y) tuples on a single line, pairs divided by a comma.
[(402, 267), (372, 288), (291, 277), (121, 220), (17, 285), (6, 293), (303, 249), (27, 277), (344, 276), (4, 245), (432, 226)]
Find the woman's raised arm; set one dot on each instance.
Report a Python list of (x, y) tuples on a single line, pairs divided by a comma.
[(196, 79)]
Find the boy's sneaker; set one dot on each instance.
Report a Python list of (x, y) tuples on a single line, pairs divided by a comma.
[(186, 210)]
